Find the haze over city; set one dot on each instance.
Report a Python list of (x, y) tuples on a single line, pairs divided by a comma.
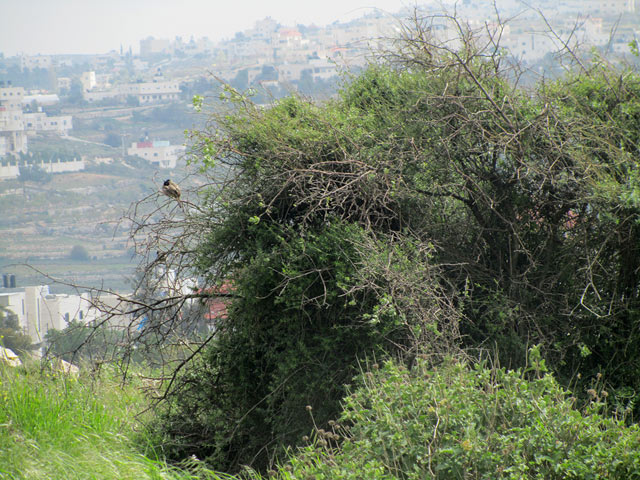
[(76, 26), (354, 239)]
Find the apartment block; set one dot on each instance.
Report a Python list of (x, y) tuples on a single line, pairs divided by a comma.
[(40, 122)]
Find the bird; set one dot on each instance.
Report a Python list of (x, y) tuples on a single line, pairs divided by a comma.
[(171, 189)]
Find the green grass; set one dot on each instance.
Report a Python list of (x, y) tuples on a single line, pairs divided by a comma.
[(54, 426)]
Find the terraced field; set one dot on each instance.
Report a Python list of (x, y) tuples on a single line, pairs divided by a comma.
[(40, 223)]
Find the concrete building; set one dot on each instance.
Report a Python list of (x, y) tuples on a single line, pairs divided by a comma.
[(41, 99), (40, 122), (151, 92), (64, 83), (12, 131), (29, 62), (12, 121), (10, 168), (15, 125), (11, 97), (88, 80), (39, 311), (14, 301), (609, 8), (145, 92), (154, 46), (158, 153)]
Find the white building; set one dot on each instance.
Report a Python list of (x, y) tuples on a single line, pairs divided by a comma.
[(3, 151), (159, 153), (39, 311), (145, 92), (29, 62), (14, 138), (151, 92), (64, 83), (40, 122), (14, 124), (41, 99), (10, 168), (153, 46), (11, 97), (88, 80)]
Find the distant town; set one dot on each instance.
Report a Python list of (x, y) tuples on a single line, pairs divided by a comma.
[(270, 55), (120, 116)]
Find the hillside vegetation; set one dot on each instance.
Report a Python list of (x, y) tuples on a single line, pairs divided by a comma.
[(478, 240), (57, 426)]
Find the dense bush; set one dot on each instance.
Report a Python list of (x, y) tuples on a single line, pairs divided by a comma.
[(469, 422), (79, 253), (432, 206), (11, 335)]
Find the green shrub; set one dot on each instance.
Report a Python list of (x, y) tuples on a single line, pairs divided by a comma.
[(469, 422)]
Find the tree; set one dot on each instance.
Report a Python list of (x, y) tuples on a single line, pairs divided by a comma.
[(113, 139), (81, 342), (79, 253), (433, 208), (33, 173), (76, 95), (11, 335)]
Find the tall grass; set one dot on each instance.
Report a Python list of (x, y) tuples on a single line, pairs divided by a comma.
[(55, 426)]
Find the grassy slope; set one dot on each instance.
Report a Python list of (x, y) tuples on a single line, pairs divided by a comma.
[(56, 427)]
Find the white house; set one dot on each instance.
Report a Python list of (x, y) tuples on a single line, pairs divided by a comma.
[(39, 311), (40, 122), (159, 153)]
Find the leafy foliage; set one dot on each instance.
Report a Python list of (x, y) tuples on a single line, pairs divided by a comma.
[(473, 422), (79, 341), (33, 173), (432, 206), (11, 335), (79, 253)]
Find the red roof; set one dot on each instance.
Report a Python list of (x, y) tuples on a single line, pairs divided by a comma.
[(217, 305), (217, 309)]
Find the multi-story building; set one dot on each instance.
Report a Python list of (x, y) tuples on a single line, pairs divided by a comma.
[(145, 92), (39, 311), (64, 83), (14, 138), (151, 92), (14, 124), (40, 122), (153, 46), (88, 80), (159, 153), (11, 97), (35, 61)]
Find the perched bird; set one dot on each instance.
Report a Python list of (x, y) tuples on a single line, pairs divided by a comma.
[(171, 189)]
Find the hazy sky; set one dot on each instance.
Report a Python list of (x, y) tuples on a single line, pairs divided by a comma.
[(97, 26)]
